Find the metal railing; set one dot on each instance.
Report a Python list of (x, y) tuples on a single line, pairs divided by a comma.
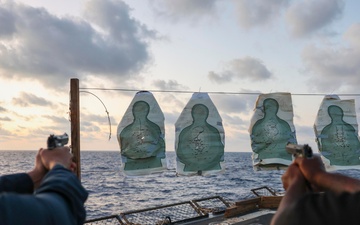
[(167, 214)]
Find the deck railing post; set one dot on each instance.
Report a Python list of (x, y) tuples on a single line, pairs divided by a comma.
[(75, 123)]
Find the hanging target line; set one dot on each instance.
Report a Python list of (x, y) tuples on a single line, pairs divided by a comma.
[(107, 112)]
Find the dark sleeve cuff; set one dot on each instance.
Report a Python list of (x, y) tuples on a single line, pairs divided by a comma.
[(19, 183), (63, 182)]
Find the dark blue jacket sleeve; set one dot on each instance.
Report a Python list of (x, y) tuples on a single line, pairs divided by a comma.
[(58, 201), (20, 183)]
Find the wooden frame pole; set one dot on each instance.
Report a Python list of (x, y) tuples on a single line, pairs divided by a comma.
[(75, 123)]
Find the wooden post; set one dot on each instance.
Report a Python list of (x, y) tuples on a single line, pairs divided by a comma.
[(75, 123)]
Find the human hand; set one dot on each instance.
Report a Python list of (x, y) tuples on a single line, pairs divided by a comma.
[(293, 176), (60, 155), (295, 185), (311, 168), (39, 170)]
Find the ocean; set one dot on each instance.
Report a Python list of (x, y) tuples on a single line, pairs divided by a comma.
[(110, 192)]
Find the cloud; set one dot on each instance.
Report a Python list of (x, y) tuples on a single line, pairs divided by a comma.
[(335, 68), (307, 16), (233, 121), (96, 128), (27, 99), (191, 10), (5, 118), (250, 13), (304, 134), (92, 124), (44, 132), (89, 127), (35, 44), (244, 68), (58, 120), (234, 103), (4, 133), (253, 13), (224, 77), (7, 27), (171, 118), (2, 109), (169, 85), (302, 17), (352, 35)]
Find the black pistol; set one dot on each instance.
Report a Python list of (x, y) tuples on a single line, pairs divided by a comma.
[(55, 141), (299, 150)]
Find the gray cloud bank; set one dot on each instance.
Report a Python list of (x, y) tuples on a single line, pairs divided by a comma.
[(302, 17), (27, 100), (306, 17), (244, 68), (337, 67), (253, 13), (35, 44), (109, 43), (175, 10)]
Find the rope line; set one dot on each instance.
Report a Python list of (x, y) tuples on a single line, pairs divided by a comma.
[(107, 112), (210, 92)]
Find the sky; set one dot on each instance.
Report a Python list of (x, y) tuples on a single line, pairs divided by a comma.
[(231, 46)]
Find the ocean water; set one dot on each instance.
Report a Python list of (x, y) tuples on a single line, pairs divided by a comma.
[(110, 192)]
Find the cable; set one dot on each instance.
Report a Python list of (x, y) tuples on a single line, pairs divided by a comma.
[(211, 92), (105, 110)]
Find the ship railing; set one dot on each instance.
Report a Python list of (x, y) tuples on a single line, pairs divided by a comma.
[(168, 214), (197, 209), (264, 191)]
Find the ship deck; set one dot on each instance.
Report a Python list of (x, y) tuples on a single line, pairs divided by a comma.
[(212, 210)]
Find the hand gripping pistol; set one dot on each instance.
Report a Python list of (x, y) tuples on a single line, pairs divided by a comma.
[(55, 141), (299, 150)]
